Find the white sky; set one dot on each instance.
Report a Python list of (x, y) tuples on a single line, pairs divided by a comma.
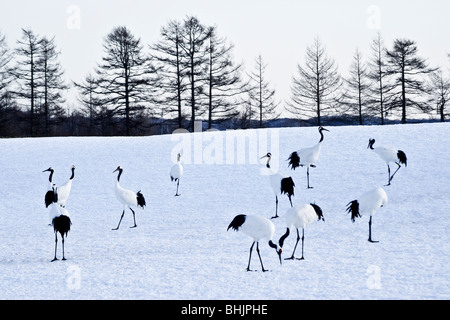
[(278, 30)]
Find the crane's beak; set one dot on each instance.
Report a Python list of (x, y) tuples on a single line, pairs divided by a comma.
[(265, 156), (46, 170), (116, 170), (325, 129)]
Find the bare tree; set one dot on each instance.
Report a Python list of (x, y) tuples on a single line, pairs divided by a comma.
[(407, 69), (6, 101), (316, 88), (357, 85), (261, 95), (125, 75), (193, 44), (168, 54), (51, 82), (223, 79), (440, 93), (378, 74), (26, 72)]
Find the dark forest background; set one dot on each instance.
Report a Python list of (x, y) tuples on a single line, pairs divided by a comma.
[(190, 74)]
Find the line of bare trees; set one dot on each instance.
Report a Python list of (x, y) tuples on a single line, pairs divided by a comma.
[(190, 73)]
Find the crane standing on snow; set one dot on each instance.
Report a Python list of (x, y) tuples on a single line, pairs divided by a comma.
[(176, 172), (280, 184), (368, 203), (60, 220), (307, 156), (258, 228), (299, 217), (63, 191), (128, 198), (389, 155)]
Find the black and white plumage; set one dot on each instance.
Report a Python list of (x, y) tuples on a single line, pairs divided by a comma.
[(389, 155), (48, 199), (280, 184), (299, 217), (128, 198), (60, 220), (257, 228), (63, 191), (307, 156), (176, 172), (368, 203)]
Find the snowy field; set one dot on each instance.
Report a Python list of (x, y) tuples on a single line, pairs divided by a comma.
[(181, 248)]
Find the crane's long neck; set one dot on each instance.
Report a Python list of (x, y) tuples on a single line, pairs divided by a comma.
[(268, 162), (321, 136), (73, 174), (51, 176), (118, 176)]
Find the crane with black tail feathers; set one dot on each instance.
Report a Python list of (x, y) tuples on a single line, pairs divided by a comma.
[(63, 191), (176, 172), (257, 228), (280, 184), (389, 155), (60, 221), (307, 156), (299, 217), (128, 198), (368, 203)]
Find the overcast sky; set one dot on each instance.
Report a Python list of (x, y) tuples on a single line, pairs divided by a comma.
[(278, 30)]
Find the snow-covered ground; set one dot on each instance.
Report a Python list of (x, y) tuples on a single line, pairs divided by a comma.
[(181, 248)]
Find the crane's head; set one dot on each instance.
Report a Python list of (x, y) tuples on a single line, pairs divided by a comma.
[(323, 129), (269, 157), (49, 169), (277, 249), (119, 168), (371, 142)]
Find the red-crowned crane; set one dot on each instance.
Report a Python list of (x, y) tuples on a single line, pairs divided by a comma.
[(128, 198), (60, 221), (280, 184), (299, 217), (307, 156), (176, 172), (389, 155), (63, 191), (368, 203), (257, 228)]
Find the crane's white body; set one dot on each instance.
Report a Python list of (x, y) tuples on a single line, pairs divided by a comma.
[(64, 190), (176, 172), (60, 220), (257, 228), (128, 198), (307, 156), (125, 196), (371, 201), (279, 183), (367, 204), (299, 217), (389, 155)]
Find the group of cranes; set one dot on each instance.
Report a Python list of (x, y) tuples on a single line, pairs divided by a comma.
[(301, 215), (255, 226), (56, 197)]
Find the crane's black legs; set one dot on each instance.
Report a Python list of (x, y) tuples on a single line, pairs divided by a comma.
[(260, 260), (370, 231), (123, 212), (295, 247), (389, 173), (134, 219), (276, 208), (250, 256), (56, 246), (178, 183), (63, 247)]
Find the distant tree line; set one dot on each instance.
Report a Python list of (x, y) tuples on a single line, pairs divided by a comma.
[(189, 73)]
